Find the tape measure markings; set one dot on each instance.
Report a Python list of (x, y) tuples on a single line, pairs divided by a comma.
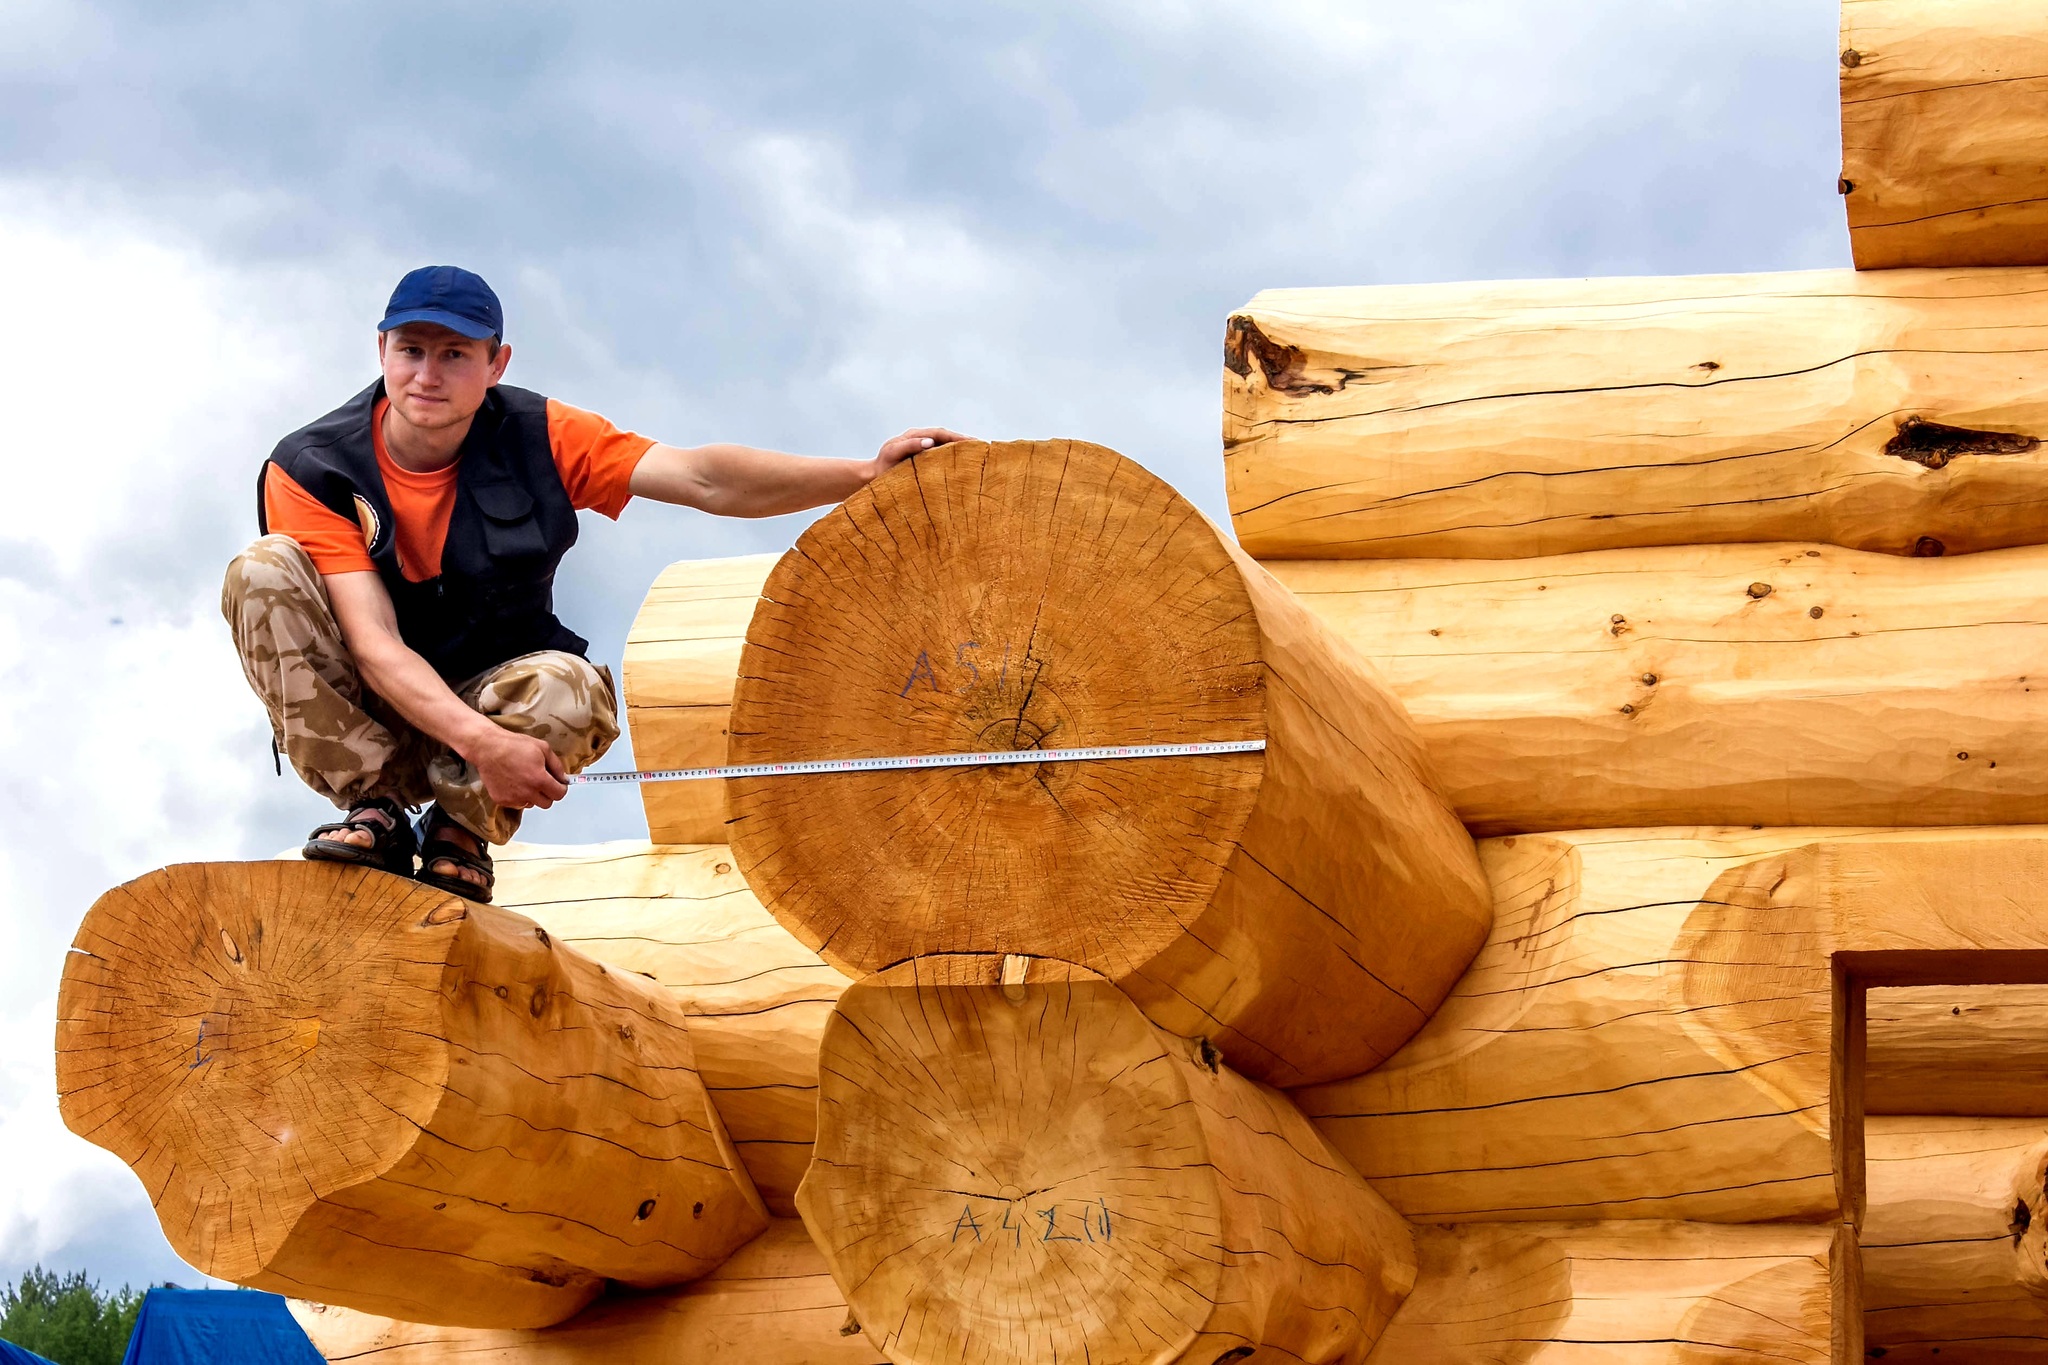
[(982, 760)]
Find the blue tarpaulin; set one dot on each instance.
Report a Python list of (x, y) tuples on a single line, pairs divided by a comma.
[(10, 1354), (217, 1327)]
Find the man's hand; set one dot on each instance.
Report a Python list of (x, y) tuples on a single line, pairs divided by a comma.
[(915, 441), (518, 771)]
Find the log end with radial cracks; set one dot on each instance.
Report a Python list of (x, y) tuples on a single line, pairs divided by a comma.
[(1010, 1155), (341, 1085), (1305, 907)]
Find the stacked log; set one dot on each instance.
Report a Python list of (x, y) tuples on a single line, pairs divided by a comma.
[(342, 1085), (1652, 1030), (771, 1304), (1014, 1166), (1977, 1050), (1941, 132), (1748, 551), (1304, 907), (1955, 1247), (682, 652), (1897, 412), (1643, 1291), (757, 1000), (1722, 684)]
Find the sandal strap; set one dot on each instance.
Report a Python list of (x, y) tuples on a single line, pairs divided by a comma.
[(376, 829), (431, 835)]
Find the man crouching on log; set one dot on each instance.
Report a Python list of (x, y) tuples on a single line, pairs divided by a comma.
[(397, 614)]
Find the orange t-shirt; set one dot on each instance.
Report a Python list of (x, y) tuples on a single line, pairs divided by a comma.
[(594, 458)]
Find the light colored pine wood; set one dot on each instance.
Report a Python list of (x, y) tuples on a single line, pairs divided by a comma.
[(681, 655), (343, 1085), (1730, 684), (1704, 703), (773, 1303), (1648, 1031), (1942, 125), (1305, 908), (1013, 1165), (1955, 1239), (1958, 1050), (1502, 420), (1623, 1293), (756, 998)]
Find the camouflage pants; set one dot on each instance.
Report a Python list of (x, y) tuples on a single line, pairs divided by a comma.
[(349, 744)]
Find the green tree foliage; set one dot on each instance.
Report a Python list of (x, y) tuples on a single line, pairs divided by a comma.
[(67, 1318)]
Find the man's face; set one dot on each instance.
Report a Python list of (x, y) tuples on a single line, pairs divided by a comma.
[(436, 378)]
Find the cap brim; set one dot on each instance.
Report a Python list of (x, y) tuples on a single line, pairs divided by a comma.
[(469, 327)]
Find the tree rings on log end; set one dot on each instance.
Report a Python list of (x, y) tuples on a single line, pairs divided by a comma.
[(1029, 1166), (1306, 906), (999, 598), (341, 1085)]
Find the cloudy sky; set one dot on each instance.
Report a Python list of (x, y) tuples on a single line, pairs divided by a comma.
[(805, 225)]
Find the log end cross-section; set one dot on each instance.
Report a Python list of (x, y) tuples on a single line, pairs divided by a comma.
[(1304, 907), (338, 1084), (1013, 1165)]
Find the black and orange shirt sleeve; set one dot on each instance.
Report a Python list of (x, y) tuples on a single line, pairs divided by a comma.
[(595, 459), (333, 542)]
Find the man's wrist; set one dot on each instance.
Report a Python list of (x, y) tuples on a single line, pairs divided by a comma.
[(476, 738)]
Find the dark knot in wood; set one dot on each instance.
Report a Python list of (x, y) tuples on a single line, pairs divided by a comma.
[(1934, 444)]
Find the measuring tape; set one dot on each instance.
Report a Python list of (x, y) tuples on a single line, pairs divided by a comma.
[(986, 760)]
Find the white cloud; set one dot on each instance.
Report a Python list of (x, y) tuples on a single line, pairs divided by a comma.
[(143, 383)]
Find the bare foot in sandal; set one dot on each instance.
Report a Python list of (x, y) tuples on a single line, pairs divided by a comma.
[(374, 833), (453, 859)]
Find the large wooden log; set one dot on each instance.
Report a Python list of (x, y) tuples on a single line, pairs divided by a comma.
[(1627, 1293), (1731, 684), (1955, 1239), (1898, 412), (682, 653), (1942, 126), (1957, 1050), (1304, 907), (773, 1303), (1013, 1165), (342, 1085), (1741, 684), (757, 999), (682, 659), (1651, 1029)]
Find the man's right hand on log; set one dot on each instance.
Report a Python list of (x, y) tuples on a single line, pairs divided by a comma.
[(518, 771)]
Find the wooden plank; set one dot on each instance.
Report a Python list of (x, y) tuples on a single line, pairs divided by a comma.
[(1506, 420), (1944, 110)]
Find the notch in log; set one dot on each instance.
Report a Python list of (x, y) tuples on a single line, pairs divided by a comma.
[(1305, 908), (340, 1085)]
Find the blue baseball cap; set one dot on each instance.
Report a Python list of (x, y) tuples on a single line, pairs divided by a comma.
[(448, 296)]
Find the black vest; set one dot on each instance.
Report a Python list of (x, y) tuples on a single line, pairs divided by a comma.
[(512, 523)]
